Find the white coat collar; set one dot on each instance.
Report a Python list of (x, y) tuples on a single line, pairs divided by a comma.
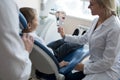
[(109, 20)]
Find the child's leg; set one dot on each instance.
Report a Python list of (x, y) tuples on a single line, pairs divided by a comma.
[(65, 49), (55, 44)]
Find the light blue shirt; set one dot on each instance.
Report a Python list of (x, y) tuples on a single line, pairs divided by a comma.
[(104, 46)]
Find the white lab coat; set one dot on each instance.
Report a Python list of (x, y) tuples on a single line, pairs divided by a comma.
[(104, 45), (14, 59)]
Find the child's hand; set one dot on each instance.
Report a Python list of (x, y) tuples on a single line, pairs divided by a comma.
[(63, 63)]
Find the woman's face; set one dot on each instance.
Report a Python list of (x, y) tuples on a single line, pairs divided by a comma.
[(95, 7)]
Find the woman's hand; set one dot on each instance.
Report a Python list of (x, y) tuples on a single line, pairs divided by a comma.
[(79, 67), (61, 31), (28, 42), (63, 63)]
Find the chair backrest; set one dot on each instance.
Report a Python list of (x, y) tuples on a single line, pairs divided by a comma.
[(44, 51), (44, 61)]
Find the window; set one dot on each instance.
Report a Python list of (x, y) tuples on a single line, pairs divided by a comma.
[(118, 8), (76, 8), (29, 3)]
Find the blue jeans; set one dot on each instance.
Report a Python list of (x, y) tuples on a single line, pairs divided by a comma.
[(61, 48)]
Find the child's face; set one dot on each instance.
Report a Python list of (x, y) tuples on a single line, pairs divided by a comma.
[(34, 24), (31, 25)]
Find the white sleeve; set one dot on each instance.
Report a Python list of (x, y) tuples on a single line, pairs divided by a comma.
[(82, 39), (112, 48), (14, 59)]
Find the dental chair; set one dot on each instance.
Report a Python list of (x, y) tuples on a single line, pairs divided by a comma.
[(45, 63)]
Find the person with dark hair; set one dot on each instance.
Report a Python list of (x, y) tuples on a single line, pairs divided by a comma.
[(103, 38), (59, 48), (30, 15)]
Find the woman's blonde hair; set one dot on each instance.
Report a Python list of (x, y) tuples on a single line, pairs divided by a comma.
[(109, 6)]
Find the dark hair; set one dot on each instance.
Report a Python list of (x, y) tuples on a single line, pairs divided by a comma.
[(29, 13)]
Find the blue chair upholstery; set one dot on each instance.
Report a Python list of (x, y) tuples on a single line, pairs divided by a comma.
[(45, 62), (23, 22)]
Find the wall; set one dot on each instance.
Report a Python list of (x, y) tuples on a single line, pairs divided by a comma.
[(71, 23), (29, 3)]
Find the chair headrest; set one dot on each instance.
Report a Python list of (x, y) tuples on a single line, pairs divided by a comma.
[(23, 21)]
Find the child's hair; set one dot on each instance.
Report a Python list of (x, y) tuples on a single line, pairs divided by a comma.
[(29, 13)]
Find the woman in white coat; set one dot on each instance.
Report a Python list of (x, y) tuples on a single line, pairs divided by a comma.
[(14, 55), (104, 44)]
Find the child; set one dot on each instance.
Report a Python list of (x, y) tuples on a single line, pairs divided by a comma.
[(61, 50)]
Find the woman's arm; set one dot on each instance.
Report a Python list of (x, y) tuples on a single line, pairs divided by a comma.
[(74, 39)]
